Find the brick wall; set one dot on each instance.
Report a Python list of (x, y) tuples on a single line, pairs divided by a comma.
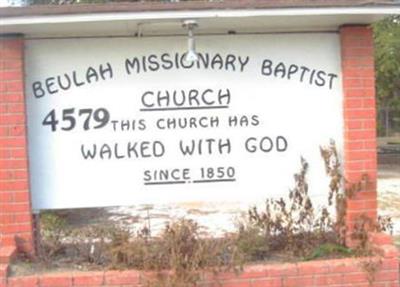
[(15, 207), (336, 273), (360, 150)]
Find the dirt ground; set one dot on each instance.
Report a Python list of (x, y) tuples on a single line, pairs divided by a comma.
[(219, 214), (389, 195), (389, 181)]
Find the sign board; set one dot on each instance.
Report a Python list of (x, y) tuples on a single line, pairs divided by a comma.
[(123, 121)]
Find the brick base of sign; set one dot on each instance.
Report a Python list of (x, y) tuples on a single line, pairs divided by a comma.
[(7, 253), (15, 202), (336, 272)]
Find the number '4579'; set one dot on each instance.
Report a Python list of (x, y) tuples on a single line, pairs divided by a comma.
[(68, 119)]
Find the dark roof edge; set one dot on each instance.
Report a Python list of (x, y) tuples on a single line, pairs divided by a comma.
[(45, 10)]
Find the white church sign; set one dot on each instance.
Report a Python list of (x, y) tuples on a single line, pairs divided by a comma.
[(122, 121)]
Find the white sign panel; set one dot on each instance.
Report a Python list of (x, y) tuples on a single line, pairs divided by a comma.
[(122, 121)]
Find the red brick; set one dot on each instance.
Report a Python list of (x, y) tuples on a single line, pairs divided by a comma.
[(13, 53), (311, 268), (12, 119), (17, 228), (353, 82), (13, 142), (360, 155), (3, 131), (8, 240), (121, 277), (371, 204), (370, 164), (10, 64), (18, 153), (355, 205), (354, 125), (354, 165), (358, 72), (359, 114), (11, 87), (26, 281), (359, 117), (282, 270), (5, 174), (269, 282), (354, 145), (354, 215), (365, 196), (15, 207), (362, 204), (5, 154), (352, 103), (20, 174), (360, 134), (13, 164), (380, 238), (7, 253), (369, 124), (355, 41), (370, 144), (57, 280), (10, 75), (3, 270), (359, 92), (328, 280), (88, 279), (390, 251), (343, 265), (22, 196), (391, 263), (298, 281), (15, 108), (358, 51), (257, 271), (13, 174), (23, 217), (14, 185), (6, 196), (17, 131), (356, 278), (359, 62), (368, 83), (11, 98), (7, 218), (369, 103), (12, 43)]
